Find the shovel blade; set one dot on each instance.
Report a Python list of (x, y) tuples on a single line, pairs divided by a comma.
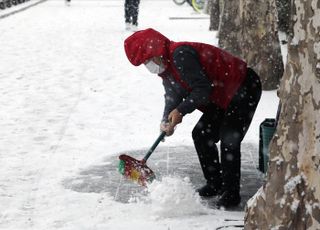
[(135, 170)]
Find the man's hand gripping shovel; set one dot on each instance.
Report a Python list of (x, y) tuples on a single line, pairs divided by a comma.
[(137, 170)]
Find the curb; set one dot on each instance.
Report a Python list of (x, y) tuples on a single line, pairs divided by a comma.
[(21, 9)]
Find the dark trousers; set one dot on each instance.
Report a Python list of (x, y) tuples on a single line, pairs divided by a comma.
[(131, 10), (229, 127)]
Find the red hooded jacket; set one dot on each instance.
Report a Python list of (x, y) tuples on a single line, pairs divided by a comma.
[(225, 71)]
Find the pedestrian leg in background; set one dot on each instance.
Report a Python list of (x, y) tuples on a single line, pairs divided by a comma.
[(127, 16), (135, 13), (131, 12), (67, 2)]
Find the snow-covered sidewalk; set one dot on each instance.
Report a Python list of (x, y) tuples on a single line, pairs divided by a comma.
[(70, 100)]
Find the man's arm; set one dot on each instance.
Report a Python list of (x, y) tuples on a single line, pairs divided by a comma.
[(187, 63), (171, 96)]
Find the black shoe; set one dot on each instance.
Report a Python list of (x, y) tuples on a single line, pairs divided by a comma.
[(209, 190), (229, 199)]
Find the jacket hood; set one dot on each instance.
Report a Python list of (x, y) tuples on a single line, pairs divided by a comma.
[(146, 44)]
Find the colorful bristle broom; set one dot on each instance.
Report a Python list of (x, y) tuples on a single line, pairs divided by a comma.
[(137, 170)]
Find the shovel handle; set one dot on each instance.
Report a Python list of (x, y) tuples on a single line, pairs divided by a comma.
[(153, 147)]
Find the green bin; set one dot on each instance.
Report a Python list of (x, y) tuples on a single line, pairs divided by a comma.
[(267, 129)]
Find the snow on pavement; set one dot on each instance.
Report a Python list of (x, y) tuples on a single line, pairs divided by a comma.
[(69, 98)]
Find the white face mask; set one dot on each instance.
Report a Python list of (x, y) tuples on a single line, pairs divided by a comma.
[(154, 68)]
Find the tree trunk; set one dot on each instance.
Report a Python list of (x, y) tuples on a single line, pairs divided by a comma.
[(260, 43), (283, 8), (214, 14), (249, 31), (290, 197), (230, 27)]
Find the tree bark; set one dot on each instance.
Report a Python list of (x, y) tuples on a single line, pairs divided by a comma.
[(230, 28), (284, 11), (260, 43), (214, 14), (290, 197), (249, 30)]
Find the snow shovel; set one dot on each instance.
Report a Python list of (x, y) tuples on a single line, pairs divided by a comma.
[(137, 170)]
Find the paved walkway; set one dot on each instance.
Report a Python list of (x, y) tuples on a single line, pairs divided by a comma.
[(180, 160)]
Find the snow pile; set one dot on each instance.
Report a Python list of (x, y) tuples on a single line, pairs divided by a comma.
[(293, 183), (174, 197)]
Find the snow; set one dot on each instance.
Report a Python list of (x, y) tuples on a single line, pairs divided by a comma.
[(291, 185), (174, 197), (295, 205), (70, 98)]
